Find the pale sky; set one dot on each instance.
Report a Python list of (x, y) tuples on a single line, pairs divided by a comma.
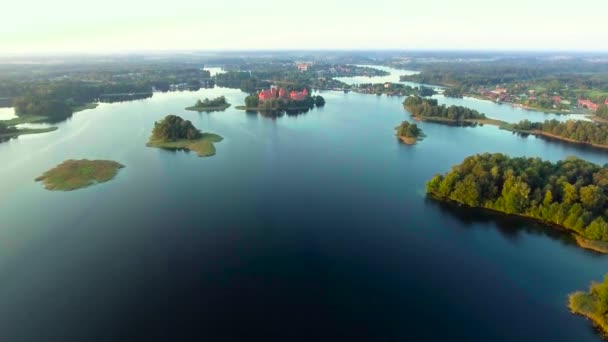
[(41, 26)]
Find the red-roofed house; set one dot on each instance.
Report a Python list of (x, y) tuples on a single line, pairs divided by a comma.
[(557, 100), (267, 94), (588, 104), (298, 95), (606, 101)]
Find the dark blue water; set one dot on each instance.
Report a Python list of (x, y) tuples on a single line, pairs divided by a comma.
[(308, 227)]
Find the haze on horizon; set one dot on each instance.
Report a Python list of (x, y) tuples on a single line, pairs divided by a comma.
[(113, 26)]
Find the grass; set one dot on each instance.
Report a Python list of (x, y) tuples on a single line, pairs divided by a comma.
[(408, 140), (585, 304), (203, 147), (595, 245), (77, 174), (439, 119), (85, 107), (209, 109), (24, 131), (23, 119)]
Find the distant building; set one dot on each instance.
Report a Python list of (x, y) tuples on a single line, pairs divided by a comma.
[(606, 101), (272, 93), (268, 94), (557, 100), (303, 67), (298, 95), (587, 103)]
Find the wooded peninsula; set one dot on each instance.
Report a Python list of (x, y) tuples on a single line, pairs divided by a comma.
[(569, 194)]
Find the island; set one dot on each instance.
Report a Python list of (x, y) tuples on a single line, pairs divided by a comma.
[(392, 89), (175, 133), (572, 131), (425, 109), (568, 194), (207, 105), (9, 130), (279, 99), (409, 133), (592, 304), (77, 174)]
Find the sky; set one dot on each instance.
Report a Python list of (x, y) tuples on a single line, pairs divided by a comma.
[(60, 26)]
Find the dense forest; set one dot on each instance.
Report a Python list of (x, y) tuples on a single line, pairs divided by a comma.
[(577, 130), (173, 128), (422, 107), (571, 193), (56, 96)]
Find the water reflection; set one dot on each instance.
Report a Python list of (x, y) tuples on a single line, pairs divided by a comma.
[(513, 228)]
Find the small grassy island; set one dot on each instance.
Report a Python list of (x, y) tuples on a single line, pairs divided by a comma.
[(207, 105), (592, 304), (409, 133), (175, 133), (76, 174), (569, 194)]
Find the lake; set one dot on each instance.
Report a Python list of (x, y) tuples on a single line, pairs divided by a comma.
[(308, 227)]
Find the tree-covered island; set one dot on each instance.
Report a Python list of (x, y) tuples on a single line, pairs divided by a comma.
[(76, 174), (571, 193), (282, 99), (175, 133), (210, 105), (409, 133), (592, 304), (426, 109)]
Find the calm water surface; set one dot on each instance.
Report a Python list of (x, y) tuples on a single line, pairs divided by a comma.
[(312, 226)]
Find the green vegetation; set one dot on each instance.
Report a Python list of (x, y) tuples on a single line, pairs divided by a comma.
[(453, 92), (176, 133), (428, 109), (575, 131), (76, 174), (570, 193), (542, 83), (392, 89), (602, 111), (409, 133), (592, 304), (9, 130), (207, 105), (278, 105), (319, 101)]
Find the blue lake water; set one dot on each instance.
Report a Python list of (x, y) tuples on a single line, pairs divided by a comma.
[(305, 227)]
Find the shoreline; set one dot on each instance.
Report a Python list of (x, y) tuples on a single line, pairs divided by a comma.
[(594, 245), (583, 304)]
